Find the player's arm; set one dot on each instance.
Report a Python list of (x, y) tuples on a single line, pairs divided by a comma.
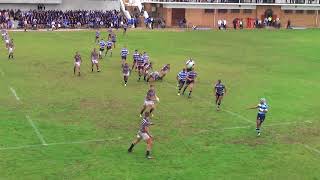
[(225, 91), (255, 107)]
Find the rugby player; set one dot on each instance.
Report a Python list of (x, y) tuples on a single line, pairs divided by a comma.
[(124, 53), (153, 76), (94, 60), (102, 45), (136, 56), (220, 91), (10, 49), (164, 70), (144, 133), (109, 47), (140, 65), (262, 110), (181, 78), (147, 67), (77, 63), (191, 76), (97, 36), (114, 39), (149, 102), (126, 73)]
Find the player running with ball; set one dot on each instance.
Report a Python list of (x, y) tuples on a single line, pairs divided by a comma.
[(262, 110), (144, 133)]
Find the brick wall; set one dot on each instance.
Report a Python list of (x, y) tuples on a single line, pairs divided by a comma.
[(203, 18)]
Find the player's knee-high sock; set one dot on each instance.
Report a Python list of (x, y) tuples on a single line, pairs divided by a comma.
[(144, 77), (184, 89), (131, 147), (190, 93), (74, 70), (142, 110)]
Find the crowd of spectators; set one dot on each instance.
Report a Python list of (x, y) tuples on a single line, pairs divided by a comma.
[(61, 19)]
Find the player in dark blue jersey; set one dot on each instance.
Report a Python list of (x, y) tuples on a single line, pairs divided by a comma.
[(220, 91), (135, 56), (124, 53), (126, 73), (97, 36), (144, 134), (109, 47), (140, 65), (102, 45), (181, 78), (262, 111), (191, 76)]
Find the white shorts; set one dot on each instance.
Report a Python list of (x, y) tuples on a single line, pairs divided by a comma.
[(77, 64), (94, 61), (143, 136), (126, 74), (148, 103), (7, 41), (10, 50)]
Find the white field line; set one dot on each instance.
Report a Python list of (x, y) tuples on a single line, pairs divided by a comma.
[(36, 130), (15, 94), (312, 149), (59, 143)]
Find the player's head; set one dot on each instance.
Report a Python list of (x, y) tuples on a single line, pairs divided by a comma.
[(136, 50), (219, 81), (77, 52), (263, 100), (168, 65), (144, 52), (94, 50), (184, 69), (126, 64), (146, 114), (151, 86)]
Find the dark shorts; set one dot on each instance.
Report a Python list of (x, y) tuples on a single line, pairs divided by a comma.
[(188, 70), (101, 49), (261, 117), (97, 37), (109, 47), (181, 82), (114, 41), (219, 94), (189, 82), (140, 67), (124, 57)]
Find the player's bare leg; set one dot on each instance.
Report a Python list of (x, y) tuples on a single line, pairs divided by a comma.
[(258, 126), (149, 147), (97, 66), (190, 90), (125, 79)]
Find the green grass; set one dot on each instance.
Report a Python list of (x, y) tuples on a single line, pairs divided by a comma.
[(190, 139)]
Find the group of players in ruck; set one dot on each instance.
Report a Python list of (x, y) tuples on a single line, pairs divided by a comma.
[(9, 45)]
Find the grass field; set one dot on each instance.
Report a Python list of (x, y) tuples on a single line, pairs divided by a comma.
[(88, 122)]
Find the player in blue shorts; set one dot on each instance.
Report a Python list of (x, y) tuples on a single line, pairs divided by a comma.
[(102, 45), (220, 92), (109, 47), (262, 110), (181, 78)]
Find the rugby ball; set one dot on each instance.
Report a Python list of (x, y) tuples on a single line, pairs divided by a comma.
[(190, 64)]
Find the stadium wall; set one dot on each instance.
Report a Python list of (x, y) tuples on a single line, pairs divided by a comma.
[(299, 16), (62, 4)]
